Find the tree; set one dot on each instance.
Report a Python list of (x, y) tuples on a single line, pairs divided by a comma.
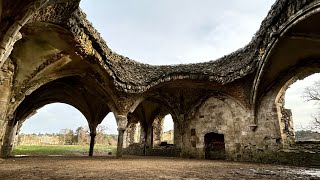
[(100, 137), (312, 93), (82, 135), (67, 136)]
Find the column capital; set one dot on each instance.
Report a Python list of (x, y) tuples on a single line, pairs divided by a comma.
[(122, 122)]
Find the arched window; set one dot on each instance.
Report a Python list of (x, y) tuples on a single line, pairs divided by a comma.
[(168, 130)]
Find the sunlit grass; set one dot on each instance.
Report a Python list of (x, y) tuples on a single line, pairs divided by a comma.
[(64, 150)]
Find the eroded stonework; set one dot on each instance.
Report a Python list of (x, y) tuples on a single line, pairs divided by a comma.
[(50, 52)]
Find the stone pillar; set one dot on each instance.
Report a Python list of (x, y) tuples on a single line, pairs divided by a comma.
[(150, 136), (9, 136), (177, 138), (180, 136), (120, 142), (157, 130), (142, 134), (6, 75), (122, 122), (129, 135), (92, 142), (126, 138)]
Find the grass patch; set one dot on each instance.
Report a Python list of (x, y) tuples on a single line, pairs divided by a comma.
[(65, 150)]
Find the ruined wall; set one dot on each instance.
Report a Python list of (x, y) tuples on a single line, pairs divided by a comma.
[(132, 135), (31, 139), (168, 137), (129, 135), (273, 140), (226, 116), (285, 122)]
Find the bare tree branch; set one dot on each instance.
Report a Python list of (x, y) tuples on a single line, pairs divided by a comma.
[(312, 93)]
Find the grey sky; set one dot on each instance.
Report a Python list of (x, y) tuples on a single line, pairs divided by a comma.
[(162, 32), (176, 31)]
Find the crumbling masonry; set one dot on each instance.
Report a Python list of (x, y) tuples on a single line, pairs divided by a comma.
[(49, 52)]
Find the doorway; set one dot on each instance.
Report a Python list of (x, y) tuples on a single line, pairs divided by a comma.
[(214, 146)]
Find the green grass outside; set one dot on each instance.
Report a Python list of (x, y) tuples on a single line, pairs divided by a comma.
[(65, 150)]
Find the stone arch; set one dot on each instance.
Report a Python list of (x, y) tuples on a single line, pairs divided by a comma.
[(299, 33), (292, 54), (73, 90), (25, 117), (51, 53), (275, 101), (12, 34), (146, 113)]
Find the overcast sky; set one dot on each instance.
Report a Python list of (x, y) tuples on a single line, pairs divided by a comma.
[(166, 32)]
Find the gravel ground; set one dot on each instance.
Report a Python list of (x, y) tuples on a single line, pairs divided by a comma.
[(137, 167)]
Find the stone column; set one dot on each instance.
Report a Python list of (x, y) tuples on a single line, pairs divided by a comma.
[(122, 122), (142, 134), (6, 75), (157, 130), (177, 138), (180, 138), (9, 135), (150, 136), (92, 142)]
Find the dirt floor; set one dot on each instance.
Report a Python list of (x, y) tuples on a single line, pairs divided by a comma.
[(137, 167)]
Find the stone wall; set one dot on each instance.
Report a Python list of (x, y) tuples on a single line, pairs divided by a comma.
[(167, 137), (222, 116), (29, 139), (141, 150)]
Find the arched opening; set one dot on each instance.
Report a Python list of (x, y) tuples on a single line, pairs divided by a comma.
[(302, 105), (72, 90), (167, 136), (163, 130), (52, 130), (214, 146), (150, 130), (107, 136)]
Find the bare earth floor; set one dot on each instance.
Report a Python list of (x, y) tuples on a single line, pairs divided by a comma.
[(137, 167)]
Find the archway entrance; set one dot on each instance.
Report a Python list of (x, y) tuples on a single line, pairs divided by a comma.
[(52, 130), (214, 146)]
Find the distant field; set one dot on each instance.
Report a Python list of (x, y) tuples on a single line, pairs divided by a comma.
[(65, 150)]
